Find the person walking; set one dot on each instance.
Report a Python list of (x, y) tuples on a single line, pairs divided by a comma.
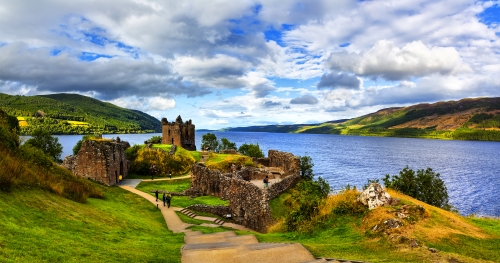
[(164, 198), (169, 198), (156, 194), (170, 174), (120, 179), (266, 181)]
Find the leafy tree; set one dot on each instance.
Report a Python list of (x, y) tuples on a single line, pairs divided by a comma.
[(44, 141), (425, 185), (226, 145), (78, 144), (306, 166), (252, 150), (210, 140)]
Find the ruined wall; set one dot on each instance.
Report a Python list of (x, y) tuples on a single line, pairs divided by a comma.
[(248, 204), (102, 161), (252, 173), (179, 133), (288, 163), (280, 187)]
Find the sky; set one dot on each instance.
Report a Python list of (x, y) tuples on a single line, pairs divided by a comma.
[(252, 62)]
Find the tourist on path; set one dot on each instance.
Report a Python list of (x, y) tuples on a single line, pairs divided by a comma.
[(164, 199), (156, 193), (266, 181), (120, 179), (169, 198)]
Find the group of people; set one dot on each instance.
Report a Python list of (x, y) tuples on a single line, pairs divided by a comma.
[(166, 198)]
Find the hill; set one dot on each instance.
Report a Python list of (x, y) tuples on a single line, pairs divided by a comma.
[(75, 114), (466, 119)]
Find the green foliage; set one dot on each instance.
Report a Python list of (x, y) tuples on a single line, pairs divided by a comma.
[(44, 141), (209, 140), (252, 150), (52, 113), (78, 144), (8, 135), (226, 145), (303, 203), (159, 162), (425, 185), (154, 139), (133, 152), (306, 165)]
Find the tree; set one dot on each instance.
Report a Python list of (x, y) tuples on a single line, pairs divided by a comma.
[(209, 140), (226, 145), (44, 141), (425, 185), (252, 150), (306, 166)]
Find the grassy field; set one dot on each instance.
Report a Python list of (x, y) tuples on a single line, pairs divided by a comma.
[(36, 226), (179, 186), (223, 162)]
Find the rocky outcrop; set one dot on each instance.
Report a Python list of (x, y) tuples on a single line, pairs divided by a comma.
[(100, 160), (375, 196), (282, 186)]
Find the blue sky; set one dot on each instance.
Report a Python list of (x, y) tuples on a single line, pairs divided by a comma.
[(248, 62)]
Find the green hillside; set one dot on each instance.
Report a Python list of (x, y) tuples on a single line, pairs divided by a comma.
[(75, 114), (466, 119)]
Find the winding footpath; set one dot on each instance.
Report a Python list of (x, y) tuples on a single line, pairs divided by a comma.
[(226, 246)]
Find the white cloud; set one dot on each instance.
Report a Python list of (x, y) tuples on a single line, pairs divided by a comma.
[(393, 63)]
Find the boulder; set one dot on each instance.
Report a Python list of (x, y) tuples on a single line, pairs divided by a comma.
[(375, 196)]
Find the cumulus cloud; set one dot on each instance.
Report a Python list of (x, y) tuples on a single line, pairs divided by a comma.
[(334, 80), (269, 104), (392, 63), (305, 99), (108, 78)]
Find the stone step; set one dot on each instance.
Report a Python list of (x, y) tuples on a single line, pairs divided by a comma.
[(242, 240), (207, 238), (193, 233), (269, 252), (219, 221), (318, 260), (209, 246)]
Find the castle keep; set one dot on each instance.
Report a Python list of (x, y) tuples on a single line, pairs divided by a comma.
[(178, 133)]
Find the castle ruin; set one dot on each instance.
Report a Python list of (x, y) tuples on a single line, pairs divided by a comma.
[(178, 133)]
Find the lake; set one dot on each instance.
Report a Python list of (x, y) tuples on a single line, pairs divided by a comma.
[(470, 169)]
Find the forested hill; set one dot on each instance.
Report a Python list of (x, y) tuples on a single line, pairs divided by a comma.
[(466, 119), (75, 114)]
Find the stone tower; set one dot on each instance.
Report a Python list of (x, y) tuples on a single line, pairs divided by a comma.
[(178, 133)]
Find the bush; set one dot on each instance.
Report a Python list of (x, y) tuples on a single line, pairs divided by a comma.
[(252, 150), (154, 139), (210, 141), (44, 141), (306, 166), (425, 185)]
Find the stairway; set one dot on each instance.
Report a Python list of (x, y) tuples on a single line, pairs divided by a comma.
[(228, 247)]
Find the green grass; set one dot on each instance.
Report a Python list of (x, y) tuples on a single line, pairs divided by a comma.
[(36, 226), (179, 186), (165, 147), (210, 230), (186, 219)]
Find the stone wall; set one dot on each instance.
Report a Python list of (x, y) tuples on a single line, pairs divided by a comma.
[(100, 160), (280, 187), (288, 163), (248, 204)]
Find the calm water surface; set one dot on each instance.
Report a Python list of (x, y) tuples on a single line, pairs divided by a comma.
[(470, 169)]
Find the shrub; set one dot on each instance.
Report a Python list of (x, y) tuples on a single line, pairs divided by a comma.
[(44, 141), (252, 150), (154, 139), (306, 166), (425, 185)]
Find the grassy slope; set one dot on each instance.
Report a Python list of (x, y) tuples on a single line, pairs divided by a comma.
[(36, 226), (95, 112), (343, 236)]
